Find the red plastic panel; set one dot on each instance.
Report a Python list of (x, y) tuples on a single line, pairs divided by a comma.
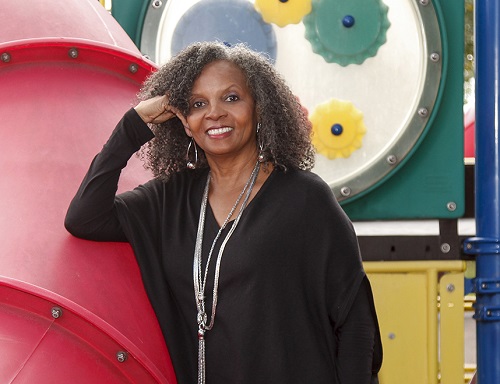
[(61, 19), (469, 130), (62, 92), (46, 342)]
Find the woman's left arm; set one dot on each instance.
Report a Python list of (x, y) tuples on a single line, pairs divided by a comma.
[(357, 339)]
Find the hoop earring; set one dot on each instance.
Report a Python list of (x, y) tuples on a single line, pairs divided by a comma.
[(190, 164), (262, 156)]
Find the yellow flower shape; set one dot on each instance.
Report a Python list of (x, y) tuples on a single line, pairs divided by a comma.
[(338, 128), (283, 12)]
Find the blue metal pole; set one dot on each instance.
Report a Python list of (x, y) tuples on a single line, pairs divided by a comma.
[(486, 244)]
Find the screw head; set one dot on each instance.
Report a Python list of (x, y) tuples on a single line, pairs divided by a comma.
[(452, 206), (73, 53), (392, 159), (392, 336), (435, 57), (423, 112), (133, 68), (345, 191), (157, 4), (5, 57), (121, 356), (445, 247), (450, 288), (56, 312)]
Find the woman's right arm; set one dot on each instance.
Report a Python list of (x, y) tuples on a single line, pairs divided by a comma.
[(91, 214)]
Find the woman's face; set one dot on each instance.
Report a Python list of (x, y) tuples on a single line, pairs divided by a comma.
[(222, 117)]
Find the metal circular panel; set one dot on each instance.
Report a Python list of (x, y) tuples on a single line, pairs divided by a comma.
[(395, 92)]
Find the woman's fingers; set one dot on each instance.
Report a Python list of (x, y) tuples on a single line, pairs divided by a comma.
[(154, 110), (157, 110)]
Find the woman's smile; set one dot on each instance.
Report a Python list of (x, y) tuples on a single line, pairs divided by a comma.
[(219, 132)]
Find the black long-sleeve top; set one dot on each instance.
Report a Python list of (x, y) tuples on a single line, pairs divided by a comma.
[(294, 303)]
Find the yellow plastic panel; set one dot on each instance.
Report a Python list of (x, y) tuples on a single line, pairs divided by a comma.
[(451, 290), (401, 302)]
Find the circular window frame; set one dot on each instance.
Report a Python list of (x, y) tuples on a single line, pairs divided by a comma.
[(395, 155)]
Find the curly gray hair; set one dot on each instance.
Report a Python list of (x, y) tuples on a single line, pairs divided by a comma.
[(285, 129)]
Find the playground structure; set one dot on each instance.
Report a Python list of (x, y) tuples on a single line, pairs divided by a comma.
[(72, 310)]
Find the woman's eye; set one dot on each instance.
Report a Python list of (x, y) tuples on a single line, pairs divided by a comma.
[(232, 98), (197, 104)]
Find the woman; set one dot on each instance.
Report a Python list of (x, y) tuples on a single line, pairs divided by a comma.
[(250, 264)]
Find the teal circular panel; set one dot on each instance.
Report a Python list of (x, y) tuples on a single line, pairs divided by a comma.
[(347, 32), (229, 21)]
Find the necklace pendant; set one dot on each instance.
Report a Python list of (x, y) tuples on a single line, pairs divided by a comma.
[(201, 333), (202, 319), (201, 360)]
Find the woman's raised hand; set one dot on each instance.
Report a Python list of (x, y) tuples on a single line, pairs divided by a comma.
[(157, 110)]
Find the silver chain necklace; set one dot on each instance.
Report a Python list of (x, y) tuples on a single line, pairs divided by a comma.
[(200, 279)]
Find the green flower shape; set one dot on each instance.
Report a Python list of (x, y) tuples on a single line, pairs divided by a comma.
[(347, 32)]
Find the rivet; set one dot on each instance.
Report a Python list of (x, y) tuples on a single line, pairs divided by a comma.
[(424, 2), (452, 206), (423, 112), (484, 285), (392, 336), (392, 159), (157, 4), (488, 313), (468, 246), (56, 312), (5, 57), (445, 247), (450, 288), (435, 57), (73, 53), (345, 191), (121, 356), (133, 68)]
